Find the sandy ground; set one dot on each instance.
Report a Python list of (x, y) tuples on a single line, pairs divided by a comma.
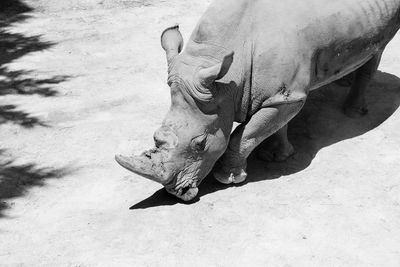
[(83, 80)]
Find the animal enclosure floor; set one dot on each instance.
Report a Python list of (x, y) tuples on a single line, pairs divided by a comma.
[(82, 80)]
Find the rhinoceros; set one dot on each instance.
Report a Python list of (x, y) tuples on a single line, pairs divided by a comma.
[(254, 62)]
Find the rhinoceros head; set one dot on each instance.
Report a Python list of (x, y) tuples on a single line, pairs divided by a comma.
[(196, 129)]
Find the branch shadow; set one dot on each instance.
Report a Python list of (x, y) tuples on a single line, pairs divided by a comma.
[(17, 179), (13, 46), (12, 11), (24, 119), (321, 123)]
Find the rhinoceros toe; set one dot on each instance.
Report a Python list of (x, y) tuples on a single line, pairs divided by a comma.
[(234, 176)]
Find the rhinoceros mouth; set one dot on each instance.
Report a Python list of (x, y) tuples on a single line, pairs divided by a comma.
[(187, 193), (184, 184), (186, 189)]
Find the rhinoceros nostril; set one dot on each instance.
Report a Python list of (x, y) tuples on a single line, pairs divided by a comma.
[(184, 190), (159, 143), (159, 139), (165, 139)]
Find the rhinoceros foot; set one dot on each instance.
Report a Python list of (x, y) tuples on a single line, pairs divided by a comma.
[(276, 152), (233, 175)]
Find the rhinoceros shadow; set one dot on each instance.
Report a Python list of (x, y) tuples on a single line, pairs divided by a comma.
[(321, 123)]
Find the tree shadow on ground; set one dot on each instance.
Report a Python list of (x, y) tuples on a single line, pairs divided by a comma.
[(16, 179), (12, 11), (321, 123), (13, 46)]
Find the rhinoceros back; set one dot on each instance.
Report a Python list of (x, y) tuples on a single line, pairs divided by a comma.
[(348, 36), (330, 38)]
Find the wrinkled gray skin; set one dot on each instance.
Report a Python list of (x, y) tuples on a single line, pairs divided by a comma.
[(254, 62)]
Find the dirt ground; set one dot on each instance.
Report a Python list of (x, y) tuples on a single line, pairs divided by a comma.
[(81, 80)]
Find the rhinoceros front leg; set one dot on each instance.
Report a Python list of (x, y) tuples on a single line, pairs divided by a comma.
[(231, 168), (355, 105)]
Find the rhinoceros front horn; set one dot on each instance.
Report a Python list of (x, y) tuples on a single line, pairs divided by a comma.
[(142, 165)]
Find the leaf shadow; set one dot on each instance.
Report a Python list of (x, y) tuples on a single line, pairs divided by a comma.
[(17, 179), (14, 45)]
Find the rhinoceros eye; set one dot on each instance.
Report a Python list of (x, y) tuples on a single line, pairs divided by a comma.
[(199, 143)]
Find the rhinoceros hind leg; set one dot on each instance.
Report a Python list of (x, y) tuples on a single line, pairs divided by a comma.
[(346, 81), (355, 105), (277, 147)]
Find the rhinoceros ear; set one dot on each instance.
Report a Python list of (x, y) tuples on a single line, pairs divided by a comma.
[(209, 75), (172, 42)]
